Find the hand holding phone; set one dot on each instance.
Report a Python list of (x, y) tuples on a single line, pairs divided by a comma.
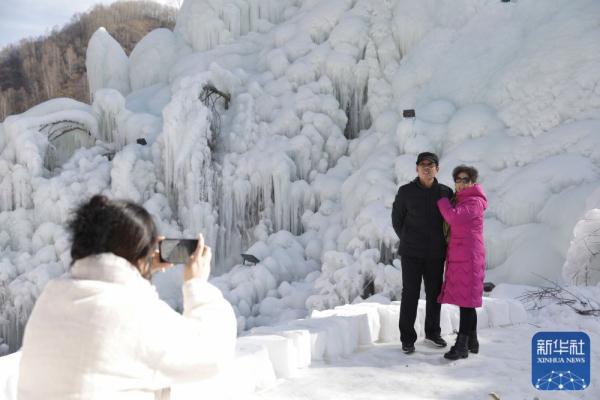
[(198, 266), (191, 252), (156, 263)]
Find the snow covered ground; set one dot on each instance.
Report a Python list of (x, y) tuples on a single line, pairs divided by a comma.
[(384, 372), (299, 163), (503, 365), (353, 352)]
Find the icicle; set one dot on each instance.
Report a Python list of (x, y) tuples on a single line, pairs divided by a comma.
[(205, 24), (301, 199), (350, 88), (108, 104), (270, 10), (21, 187), (231, 15), (6, 187)]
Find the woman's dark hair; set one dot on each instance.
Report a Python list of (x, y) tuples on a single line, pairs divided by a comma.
[(120, 227), (470, 171)]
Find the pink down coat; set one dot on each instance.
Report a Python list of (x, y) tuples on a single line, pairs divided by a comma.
[(465, 259)]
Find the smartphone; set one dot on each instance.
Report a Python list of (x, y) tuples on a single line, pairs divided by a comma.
[(176, 251)]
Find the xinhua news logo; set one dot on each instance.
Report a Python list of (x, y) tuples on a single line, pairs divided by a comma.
[(560, 361)]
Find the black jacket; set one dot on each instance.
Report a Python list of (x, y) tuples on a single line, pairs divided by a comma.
[(417, 220)]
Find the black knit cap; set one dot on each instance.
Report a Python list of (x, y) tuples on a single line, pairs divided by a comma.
[(428, 156)]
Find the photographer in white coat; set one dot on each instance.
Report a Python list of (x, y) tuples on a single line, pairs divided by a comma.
[(103, 332)]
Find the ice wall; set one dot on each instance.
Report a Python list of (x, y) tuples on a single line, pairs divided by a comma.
[(38, 196)]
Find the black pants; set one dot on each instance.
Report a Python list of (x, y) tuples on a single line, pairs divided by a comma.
[(468, 320), (431, 271)]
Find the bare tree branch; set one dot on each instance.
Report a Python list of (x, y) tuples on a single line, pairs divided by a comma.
[(557, 294)]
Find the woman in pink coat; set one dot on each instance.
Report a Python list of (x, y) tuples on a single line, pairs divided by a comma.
[(465, 258)]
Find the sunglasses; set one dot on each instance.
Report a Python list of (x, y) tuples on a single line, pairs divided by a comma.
[(462, 180)]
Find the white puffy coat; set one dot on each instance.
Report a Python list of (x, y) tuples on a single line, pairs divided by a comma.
[(103, 333)]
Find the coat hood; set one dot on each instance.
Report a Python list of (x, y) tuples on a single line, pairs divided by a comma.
[(107, 267), (475, 191)]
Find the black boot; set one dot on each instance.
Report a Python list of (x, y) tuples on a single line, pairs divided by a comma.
[(473, 342), (459, 350)]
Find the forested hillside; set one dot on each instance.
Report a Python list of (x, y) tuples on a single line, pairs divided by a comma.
[(39, 69)]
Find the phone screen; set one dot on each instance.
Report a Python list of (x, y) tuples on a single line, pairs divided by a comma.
[(177, 251)]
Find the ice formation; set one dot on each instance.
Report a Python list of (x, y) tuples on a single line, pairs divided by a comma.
[(106, 63), (276, 128), (582, 266), (151, 59)]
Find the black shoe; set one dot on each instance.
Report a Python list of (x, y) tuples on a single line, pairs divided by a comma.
[(459, 350), (437, 341), (473, 342), (408, 348)]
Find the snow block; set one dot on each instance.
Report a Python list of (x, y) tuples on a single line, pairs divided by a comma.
[(365, 320), (347, 333), (302, 343), (483, 320), (420, 321), (301, 339), (450, 315), (517, 312), (372, 313), (252, 363), (281, 352), (331, 337), (445, 321), (353, 322), (494, 312), (498, 311), (251, 370), (389, 315), (9, 375), (318, 337)]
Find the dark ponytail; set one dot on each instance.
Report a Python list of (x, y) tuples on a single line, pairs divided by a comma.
[(120, 227)]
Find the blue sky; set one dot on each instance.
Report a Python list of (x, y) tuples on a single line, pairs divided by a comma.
[(31, 18)]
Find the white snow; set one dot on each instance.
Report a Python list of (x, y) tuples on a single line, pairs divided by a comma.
[(345, 351)]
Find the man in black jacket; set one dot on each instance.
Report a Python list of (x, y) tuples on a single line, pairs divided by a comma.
[(419, 225)]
